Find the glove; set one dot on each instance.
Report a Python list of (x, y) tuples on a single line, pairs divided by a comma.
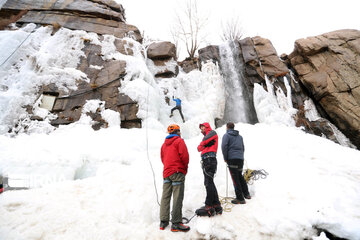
[(209, 144)]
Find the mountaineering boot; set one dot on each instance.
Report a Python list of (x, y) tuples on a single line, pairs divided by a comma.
[(237, 201), (218, 209), (205, 211), (163, 224), (179, 227), (247, 196), (171, 115)]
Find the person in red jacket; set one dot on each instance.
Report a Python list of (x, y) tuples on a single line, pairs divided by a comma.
[(208, 148), (175, 157)]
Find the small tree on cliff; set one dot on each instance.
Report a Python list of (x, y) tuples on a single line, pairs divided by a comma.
[(189, 27), (232, 30)]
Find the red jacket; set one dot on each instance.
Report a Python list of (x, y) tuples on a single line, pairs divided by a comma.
[(209, 135), (174, 155)]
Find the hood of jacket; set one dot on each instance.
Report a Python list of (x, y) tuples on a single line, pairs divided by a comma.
[(233, 132), (171, 138), (207, 127)]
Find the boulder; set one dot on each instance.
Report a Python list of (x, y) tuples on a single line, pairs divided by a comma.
[(161, 50), (261, 49), (99, 16), (329, 67), (189, 64), (96, 8)]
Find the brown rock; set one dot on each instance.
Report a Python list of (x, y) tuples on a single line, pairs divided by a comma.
[(161, 50), (97, 8), (83, 22), (330, 70), (189, 64), (271, 64), (124, 47), (99, 16), (207, 53)]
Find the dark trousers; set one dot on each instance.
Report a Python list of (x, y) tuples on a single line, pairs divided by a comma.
[(178, 108), (209, 166), (240, 185)]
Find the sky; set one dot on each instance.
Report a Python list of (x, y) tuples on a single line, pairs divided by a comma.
[(281, 21)]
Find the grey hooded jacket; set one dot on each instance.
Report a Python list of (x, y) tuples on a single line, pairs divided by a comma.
[(232, 145)]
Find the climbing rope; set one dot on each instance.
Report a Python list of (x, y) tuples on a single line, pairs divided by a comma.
[(147, 147), (226, 201), (253, 175)]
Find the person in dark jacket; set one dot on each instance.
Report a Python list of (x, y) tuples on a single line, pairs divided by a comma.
[(1, 184), (177, 107), (175, 157), (233, 151), (208, 148)]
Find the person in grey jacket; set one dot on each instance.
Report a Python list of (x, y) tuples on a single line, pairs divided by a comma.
[(233, 151)]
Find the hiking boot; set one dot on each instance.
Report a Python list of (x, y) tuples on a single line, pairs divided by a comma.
[(179, 227), (237, 201), (247, 196), (210, 210), (218, 209), (171, 115), (163, 224)]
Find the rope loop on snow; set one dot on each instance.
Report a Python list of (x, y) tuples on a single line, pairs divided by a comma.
[(253, 175)]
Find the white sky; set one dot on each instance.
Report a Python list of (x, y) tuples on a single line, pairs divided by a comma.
[(281, 21)]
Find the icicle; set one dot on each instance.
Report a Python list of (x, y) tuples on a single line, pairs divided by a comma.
[(269, 86), (288, 90), (310, 110)]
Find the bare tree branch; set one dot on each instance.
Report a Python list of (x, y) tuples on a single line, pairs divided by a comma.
[(232, 30), (189, 27)]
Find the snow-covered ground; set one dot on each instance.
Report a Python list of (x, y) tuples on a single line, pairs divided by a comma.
[(88, 184), (312, 182)]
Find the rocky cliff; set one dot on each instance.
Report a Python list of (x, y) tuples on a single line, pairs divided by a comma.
[(324, 69), (99, 16), (329, 67)]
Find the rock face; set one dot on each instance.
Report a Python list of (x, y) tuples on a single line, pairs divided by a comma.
[(99, 16), (261, 59), (329, 66), (105, 79)]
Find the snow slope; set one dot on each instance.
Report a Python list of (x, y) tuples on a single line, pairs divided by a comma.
[(311, 182), (89, 184)]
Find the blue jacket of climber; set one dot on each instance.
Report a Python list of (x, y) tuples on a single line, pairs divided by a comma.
[(178, 102)]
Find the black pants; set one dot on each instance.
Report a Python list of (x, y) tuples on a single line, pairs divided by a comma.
[(209, 166), (178, 108), (240, 185)]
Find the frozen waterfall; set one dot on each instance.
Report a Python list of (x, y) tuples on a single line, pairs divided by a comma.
[(238, 102)]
